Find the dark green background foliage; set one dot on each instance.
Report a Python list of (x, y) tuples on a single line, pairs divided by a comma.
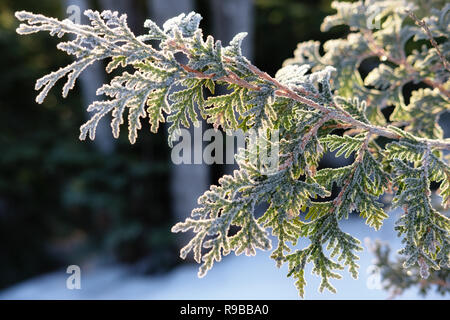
[(281, 24), (61, 200)]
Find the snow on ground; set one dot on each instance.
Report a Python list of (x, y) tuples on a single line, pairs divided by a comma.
[(233, 278)]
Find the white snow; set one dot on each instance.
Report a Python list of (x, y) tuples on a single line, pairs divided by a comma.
[(233, 278)]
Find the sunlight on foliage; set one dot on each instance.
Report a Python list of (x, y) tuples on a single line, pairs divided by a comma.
[(309, 98)]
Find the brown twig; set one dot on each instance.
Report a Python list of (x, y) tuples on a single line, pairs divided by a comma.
[(198, 74), (424, 26), (384, 55), (338, 200), (313, 130), (335, 113)]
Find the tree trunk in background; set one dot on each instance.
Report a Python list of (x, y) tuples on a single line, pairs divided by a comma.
[(188, 181), (135, 20), (90, 81), (162, 10), (229, 18)]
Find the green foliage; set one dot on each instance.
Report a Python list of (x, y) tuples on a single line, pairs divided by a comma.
[(423, 111), (307, 100), (344, 144), (183, 106), (223, 108), (425, 230)]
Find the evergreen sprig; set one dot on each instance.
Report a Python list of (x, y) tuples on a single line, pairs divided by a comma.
[(311, 97)]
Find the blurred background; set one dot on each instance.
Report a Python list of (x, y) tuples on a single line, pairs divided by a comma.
[(108, 205)]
